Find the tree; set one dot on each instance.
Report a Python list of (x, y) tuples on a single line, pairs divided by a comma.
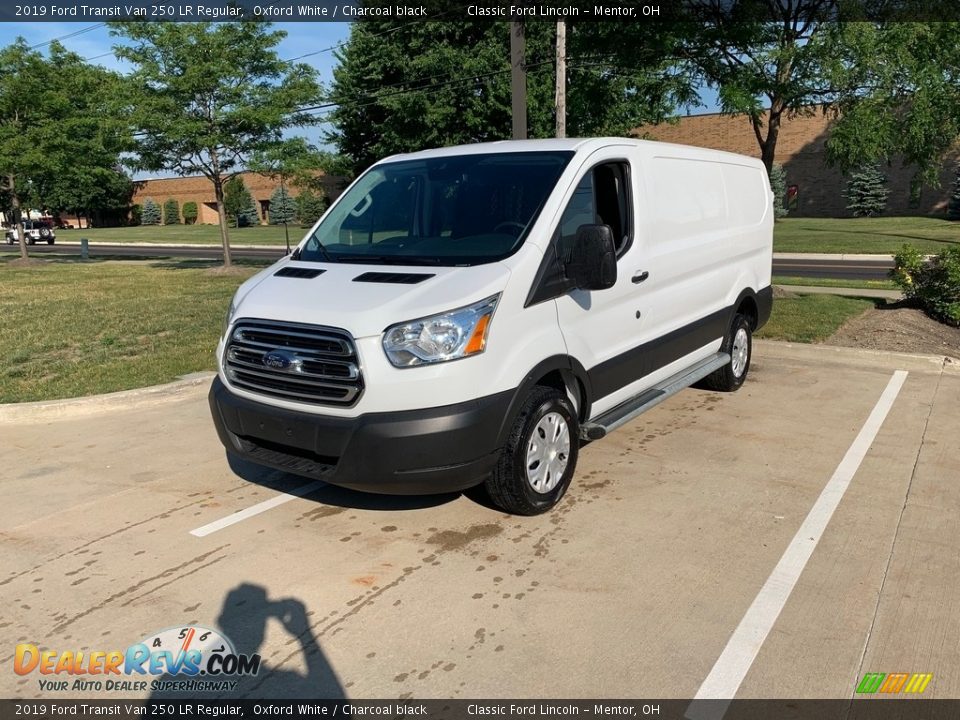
[(238, 203), (403, 86), (282, 207), (60, 139), (900, 99), (867, 192), (778, 185), (207, 95), (136, 215), (190, 213), (767, 61), (953, 207), (150, 215), (171, 212), (310, 206)]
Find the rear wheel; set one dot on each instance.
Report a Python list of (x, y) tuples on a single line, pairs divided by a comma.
[(739, 345), (536, 465)]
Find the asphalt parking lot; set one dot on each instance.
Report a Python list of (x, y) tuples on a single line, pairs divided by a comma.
[(118, 523)]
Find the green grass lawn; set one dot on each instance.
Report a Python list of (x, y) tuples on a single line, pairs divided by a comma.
[(884, 235), (81, 328), (810, 318), (184, 235), (835, 282), (72, 329)]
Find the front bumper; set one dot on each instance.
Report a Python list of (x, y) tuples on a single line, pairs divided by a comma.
[(433, 450)]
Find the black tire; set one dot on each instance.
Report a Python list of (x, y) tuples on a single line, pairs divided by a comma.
[(725, 379), (508, 486), (31, 241), (50, 240), (45, 233)]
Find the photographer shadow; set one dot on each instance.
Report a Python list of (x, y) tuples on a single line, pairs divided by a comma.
[(243, 619)]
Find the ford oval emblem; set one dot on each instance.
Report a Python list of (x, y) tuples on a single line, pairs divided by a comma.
[(280, 360)]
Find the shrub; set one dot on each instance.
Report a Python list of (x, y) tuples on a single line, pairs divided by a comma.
[(778, 184), (867, 192), (171, 212), (934, 285), (190, 213), (136, 214), (310, 206), (282, 207), (150, 215)]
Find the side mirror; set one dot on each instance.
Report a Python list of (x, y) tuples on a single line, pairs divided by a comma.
[(593, 262)]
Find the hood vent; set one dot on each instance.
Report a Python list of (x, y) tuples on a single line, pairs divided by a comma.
[(396, 278), (298, 272)]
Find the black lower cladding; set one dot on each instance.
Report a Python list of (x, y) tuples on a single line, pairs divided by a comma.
[(433, 450)]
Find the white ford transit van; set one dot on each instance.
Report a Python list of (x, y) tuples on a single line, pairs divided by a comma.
[(471, 314)]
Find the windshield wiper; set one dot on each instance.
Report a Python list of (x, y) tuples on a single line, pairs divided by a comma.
[(390, 259)]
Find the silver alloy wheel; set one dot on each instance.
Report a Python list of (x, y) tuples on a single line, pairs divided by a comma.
[(739, 352), (548, 451)]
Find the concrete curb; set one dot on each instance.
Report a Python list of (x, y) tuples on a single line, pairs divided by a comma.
[(189, 386), (860, 357), (47, 410), (872, 293), (199, 246)]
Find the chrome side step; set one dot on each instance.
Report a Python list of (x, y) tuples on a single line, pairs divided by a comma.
[(629, 409)]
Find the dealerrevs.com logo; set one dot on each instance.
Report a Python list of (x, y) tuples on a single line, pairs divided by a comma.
[(183, 659)]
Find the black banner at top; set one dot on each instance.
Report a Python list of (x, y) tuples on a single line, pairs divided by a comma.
[(473, 10)]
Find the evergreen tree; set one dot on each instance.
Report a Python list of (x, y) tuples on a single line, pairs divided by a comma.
[(239, 204), (150, 215), (190, 213), (867, 192), (310, 206), (778, 184), (953, 208), (136, 213), (282, 207), (171, 212)]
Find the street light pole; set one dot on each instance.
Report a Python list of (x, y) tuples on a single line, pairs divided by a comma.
[(561, 95), (518, 80)]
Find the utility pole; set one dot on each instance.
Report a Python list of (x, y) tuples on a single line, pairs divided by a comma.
[(518, 80), (561, 95)]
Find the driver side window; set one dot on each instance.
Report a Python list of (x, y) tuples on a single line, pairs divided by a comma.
[(602, 198)]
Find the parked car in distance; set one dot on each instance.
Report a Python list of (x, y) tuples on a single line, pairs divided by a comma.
[(35, 230), (473, 314)]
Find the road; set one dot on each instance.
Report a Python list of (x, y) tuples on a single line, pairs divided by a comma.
[(858, 269), (790, 508)]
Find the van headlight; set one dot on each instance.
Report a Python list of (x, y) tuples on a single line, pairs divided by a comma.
[(448, 336)]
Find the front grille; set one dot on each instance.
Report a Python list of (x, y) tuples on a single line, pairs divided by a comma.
[(305, 363)]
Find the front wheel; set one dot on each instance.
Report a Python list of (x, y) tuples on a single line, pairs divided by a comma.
[(536, 465), (739, 345)]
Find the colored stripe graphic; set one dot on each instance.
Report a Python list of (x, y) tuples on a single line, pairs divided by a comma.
[(918, 682), (894, 683), (871, 682)]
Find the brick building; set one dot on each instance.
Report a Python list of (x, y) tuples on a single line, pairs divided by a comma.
[(801, 150), (199, 189)]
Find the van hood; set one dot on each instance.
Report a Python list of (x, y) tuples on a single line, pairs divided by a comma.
[(364, 299)]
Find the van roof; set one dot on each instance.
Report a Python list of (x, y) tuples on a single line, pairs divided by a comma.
[(569, 144)]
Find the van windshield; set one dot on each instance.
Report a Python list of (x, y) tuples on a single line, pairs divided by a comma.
[(460, 210)]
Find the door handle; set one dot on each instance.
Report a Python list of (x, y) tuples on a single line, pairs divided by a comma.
[(640, 277)]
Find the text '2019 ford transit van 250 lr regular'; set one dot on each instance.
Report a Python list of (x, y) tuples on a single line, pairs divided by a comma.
[(471, 314)]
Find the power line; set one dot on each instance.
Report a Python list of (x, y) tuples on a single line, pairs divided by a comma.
[(68, 35)]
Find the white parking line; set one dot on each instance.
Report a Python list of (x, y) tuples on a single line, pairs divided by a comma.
[(721, 685), (241, 515)]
